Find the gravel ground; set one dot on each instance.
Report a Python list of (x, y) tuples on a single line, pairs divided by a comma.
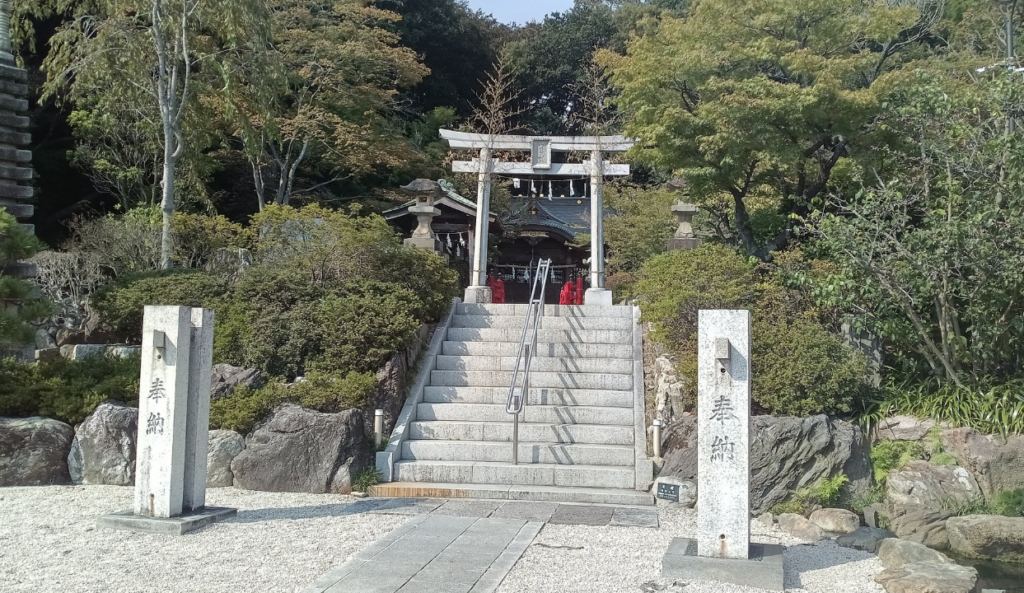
[(277, 542), (571, 558), (284, 542)]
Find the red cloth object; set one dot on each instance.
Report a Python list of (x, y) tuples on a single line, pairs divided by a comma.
[(567, 297), (579, 291), (498, 292)]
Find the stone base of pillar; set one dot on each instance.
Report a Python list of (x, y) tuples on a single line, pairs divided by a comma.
[(763, 570), (684, 244), (424, 243), (602, 297), (180, 525), (480, 295)]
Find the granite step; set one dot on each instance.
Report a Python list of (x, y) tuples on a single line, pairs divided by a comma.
[(538, 396), (571, 350), (590, 434), (614, 496), (545, 336), (549, 310), (564, 380), (531, 414), (540, 364), (553, 322), (534, 474), (551, 453)]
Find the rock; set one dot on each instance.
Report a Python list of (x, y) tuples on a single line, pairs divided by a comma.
[(801, 527), (82, 351), (786, 454), (903, 428), (47, 354), (34, 451), (871, 515), (895, 553), (928, 578), (121, 351), (299, 450), (867, 539), (44, 341), (997, 465), (990, 537), (922, 483), (687, 491), (103, 451), (921, 524), (225, 378), (223, 447), (836, 520), (766, 519)]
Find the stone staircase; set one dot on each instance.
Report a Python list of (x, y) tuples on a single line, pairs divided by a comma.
[(581, 434)]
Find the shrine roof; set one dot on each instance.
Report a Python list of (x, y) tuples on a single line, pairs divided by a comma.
[(569, 215)]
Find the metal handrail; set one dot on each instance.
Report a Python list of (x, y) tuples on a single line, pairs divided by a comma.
[(527, 349)]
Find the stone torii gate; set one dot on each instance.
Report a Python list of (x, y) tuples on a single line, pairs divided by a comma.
[(541, 164)]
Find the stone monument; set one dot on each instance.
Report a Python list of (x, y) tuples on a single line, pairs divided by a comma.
[(722, 550), (684, 237), (174, 418)]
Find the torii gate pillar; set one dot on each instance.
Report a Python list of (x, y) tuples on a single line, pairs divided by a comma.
[(597, 294)]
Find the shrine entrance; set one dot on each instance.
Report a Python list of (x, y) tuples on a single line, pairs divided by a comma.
[(549, 225)]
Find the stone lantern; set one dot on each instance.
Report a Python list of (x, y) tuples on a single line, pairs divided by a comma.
[(425, 192), (684, 237)]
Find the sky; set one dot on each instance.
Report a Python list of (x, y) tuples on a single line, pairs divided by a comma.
[(520, 11)]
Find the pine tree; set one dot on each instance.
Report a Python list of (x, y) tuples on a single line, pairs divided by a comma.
[(20, 304)]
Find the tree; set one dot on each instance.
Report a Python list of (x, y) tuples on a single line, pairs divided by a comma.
[(932, 255), (454, 42), (336, 74), (20, 305), (159, 57), (758, 104)]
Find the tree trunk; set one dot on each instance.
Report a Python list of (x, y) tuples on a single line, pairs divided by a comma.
[(167, 203)]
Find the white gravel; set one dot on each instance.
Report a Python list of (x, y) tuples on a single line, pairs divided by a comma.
[(278, 542), (571, 558), (284, 542)]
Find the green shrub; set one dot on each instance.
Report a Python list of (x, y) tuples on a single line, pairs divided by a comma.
[(64, 389), (800, 366), (20, 305), (365, 479), (995, 409), (1009, 503), (245, 407), (826, 493), (887, 456), (121, 303)]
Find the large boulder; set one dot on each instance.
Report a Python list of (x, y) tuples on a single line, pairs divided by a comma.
[(103, 451), (895, 553), (225, 378), (928, 578), (997, 464), (34, 451), (934, 486), (786, 454), (988, 536), (223, 447), (903, 428), (921, 524), (299, 450), (868, 539), (800, 527), (836, 520)]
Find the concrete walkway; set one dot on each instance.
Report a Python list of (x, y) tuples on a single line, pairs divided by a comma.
[(435, 554), (459, 546)]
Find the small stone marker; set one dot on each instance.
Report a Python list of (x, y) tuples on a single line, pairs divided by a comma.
[(174, 419), (722, 550)]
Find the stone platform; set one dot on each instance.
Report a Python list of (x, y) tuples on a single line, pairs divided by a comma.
[(763, 570), (129, 521)]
